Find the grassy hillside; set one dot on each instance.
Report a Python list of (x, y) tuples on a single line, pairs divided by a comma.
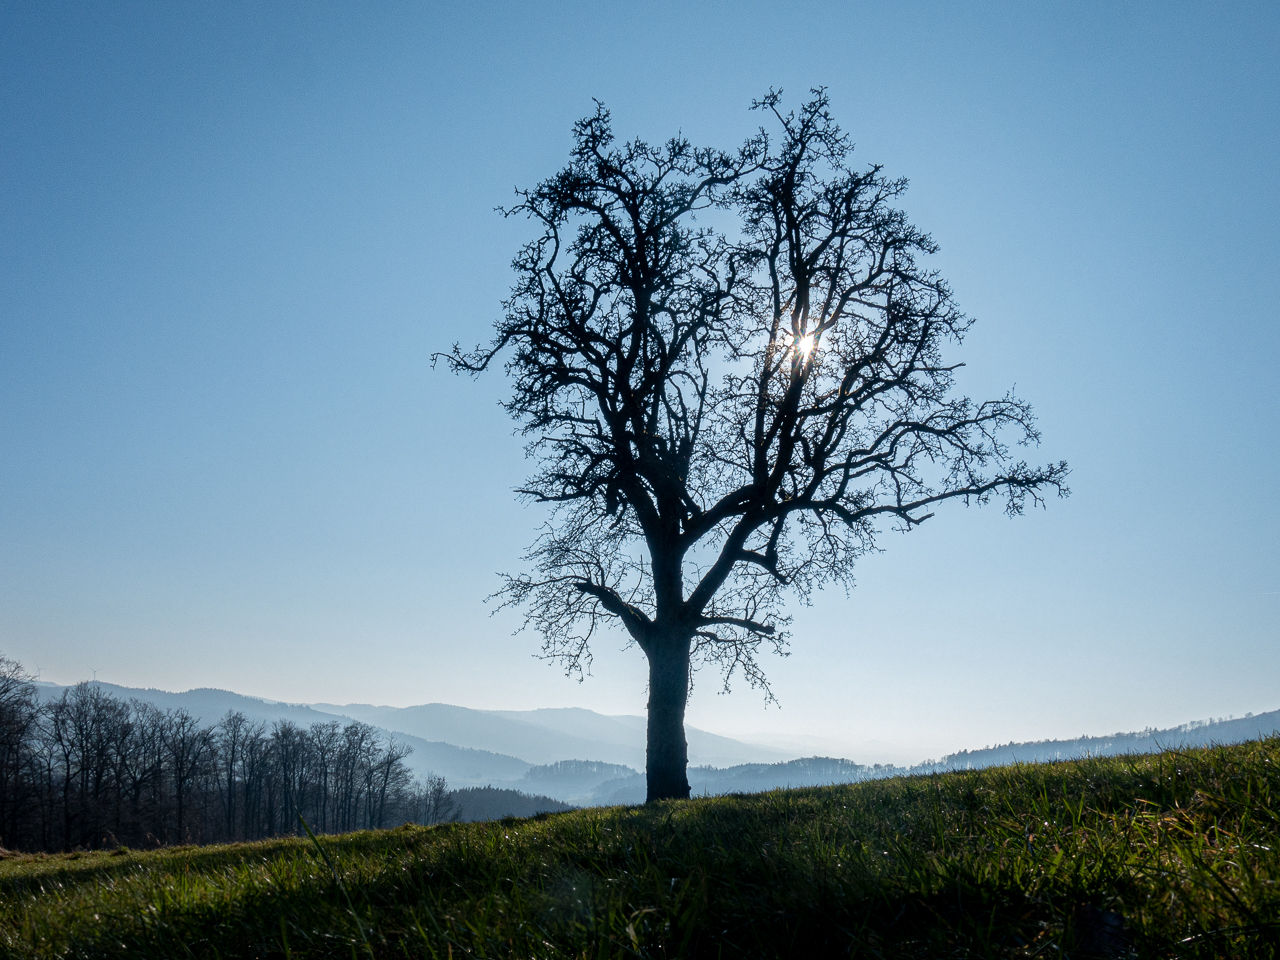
[(1174, 854)]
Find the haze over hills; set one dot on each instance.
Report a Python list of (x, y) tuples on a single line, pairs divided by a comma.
[(480, 729), (461, 766), (1197, 733), (582, 757), (468, 747), (819, 771), (550, 735), (205, 702)]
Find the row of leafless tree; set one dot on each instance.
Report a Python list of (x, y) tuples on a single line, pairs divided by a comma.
[(89, 770)]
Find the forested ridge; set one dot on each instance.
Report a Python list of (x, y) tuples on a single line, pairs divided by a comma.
[(89, 770)]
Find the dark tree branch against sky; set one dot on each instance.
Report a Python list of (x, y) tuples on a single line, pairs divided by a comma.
[(730, 369)]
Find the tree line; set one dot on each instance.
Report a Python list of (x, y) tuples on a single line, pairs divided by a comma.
[(89, 770)]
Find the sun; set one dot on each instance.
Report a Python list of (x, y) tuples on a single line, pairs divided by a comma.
[(802, 346)]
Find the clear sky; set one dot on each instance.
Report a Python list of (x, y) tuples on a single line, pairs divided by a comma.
[(232, 234)]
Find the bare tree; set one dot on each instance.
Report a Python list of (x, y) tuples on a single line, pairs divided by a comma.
[(87, 770), (431, 802), (187, 749), (18, 715), (141, 769), (389, 777), (87, 725), (230, 735), (353, 774), (326, 740), (292, 751), (727, 414)]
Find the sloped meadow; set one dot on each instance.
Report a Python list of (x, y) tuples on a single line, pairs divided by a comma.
[(1162, 855)]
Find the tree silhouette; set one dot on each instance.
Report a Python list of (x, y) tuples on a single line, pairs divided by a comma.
[(89, 770), (729, 368)]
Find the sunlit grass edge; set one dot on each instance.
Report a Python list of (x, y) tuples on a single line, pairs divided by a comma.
[(1170, 854)]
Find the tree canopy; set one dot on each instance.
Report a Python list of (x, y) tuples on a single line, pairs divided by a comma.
[(729, 367)]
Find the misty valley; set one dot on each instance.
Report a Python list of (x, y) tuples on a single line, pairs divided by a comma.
[(96, 765)]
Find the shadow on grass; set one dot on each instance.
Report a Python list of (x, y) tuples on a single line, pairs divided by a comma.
[(1164, 855)]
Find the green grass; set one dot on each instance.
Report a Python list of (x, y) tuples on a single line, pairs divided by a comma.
[(1177, 852)]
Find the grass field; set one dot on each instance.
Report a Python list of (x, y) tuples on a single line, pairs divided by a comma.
[(1168, 855)]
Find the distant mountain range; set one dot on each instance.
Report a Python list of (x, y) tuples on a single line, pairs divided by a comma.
[(746, 778), (461, 766), (549, 735), (470, 748), (581, 757), (1198, 733), (819, 771)]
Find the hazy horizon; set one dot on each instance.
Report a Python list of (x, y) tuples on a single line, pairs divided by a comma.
[(800, 745)]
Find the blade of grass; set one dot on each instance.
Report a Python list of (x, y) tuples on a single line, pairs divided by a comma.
[(336, 879)]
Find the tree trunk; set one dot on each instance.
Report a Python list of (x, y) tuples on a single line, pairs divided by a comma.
[(668, 751)]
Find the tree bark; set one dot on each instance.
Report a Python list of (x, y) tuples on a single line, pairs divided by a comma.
[(666, 769)]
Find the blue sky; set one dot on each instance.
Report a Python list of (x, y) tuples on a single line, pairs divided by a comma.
[(231, 235)]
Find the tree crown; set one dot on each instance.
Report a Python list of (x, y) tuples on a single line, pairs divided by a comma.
[(730, 370)]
